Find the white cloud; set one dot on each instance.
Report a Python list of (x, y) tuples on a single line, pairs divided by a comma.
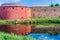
[(8, 1), (16, 0)]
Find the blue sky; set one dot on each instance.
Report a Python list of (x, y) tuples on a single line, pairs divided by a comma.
[(31, 2)]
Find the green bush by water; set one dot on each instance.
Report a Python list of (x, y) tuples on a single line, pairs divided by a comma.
[(32, 21), (45, 20), (5, 36)]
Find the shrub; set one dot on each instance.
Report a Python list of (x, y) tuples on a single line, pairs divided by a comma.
[(5, 36)]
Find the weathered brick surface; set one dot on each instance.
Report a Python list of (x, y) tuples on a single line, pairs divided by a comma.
[(14, 12), (46, 12)]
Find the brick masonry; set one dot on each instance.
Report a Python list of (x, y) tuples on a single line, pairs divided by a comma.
[(14, 12), (46, 12)]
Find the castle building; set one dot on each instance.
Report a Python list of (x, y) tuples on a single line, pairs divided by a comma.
[(13, 11)]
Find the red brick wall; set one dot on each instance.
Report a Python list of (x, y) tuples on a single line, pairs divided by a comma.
[(14, 12), (46, 12), (28, 13)]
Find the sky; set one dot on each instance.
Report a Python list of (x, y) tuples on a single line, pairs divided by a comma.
[(31, 2)]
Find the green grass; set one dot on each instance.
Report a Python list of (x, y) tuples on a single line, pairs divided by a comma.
[(45, 20), (32, 21), (6, 36), (8, 21)]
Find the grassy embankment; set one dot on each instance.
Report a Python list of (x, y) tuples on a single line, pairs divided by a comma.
[(42, 21), (6, 36), (33, 21), (7, 22)]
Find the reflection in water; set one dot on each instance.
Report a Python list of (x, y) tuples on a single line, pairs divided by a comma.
[(24, 30), (52, 29), (16, 29), (19, 29), (45, 30)]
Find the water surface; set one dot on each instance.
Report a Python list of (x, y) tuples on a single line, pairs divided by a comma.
[(40, 36)]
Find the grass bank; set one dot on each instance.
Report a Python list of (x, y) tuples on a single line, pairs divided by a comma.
[(42, 20), (6, 36), (32, 21), (8, 22)]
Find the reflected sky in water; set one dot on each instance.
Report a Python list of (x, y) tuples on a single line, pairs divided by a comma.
[(45, 36)]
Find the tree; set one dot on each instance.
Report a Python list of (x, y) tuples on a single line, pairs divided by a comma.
[(56, 5), (51, 5)]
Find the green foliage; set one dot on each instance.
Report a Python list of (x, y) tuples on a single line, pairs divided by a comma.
[(51, 5), (46, 20), (33, 21), (14, 21), (56, 5), (5, 36), (8, 21)]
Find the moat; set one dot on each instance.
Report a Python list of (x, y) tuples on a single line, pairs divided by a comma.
[(36, 31)]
